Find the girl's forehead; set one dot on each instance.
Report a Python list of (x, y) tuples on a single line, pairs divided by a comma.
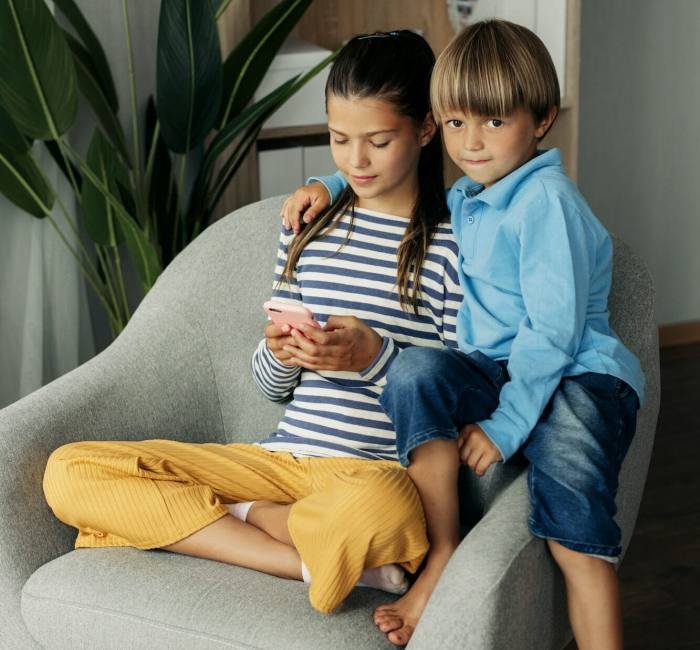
[(363, 114)]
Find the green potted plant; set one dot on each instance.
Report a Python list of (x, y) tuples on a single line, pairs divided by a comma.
[(200, 126)]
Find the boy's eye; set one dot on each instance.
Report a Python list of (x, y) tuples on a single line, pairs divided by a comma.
[(495, 123), (454, 124), (338, 141), (380, 145)]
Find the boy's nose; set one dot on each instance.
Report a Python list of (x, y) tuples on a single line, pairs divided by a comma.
[(471, 140)]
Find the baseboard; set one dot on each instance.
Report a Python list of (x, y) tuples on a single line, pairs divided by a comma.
[(679, 334)]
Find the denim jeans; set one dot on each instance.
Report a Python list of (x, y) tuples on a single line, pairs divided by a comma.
[(574, 452)]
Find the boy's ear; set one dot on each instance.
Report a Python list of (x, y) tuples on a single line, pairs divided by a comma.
[(428, 129), (546, 122)]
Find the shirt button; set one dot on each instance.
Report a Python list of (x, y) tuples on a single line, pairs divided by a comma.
[(470, 219)]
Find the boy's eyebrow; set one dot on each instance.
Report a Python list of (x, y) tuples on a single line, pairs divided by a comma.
[(369, 133)]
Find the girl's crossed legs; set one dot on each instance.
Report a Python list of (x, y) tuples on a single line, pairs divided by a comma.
[(344, 514)]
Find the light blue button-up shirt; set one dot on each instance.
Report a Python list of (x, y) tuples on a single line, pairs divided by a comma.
[(536, 268)]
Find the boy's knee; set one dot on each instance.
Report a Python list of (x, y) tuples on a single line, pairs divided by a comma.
[(417, 366)]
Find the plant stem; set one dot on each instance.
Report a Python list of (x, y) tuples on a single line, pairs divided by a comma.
[(132, 85), (88, 276), (122, 287), (179, 198), (109, 272)]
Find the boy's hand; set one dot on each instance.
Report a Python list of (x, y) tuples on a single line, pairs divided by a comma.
[(346, 343), (304, 205), (277, 337), (476, 449)]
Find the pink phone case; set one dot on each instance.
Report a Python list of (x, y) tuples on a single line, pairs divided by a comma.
[(282, 313)]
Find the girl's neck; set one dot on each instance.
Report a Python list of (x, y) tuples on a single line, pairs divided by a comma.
[(399, 203)]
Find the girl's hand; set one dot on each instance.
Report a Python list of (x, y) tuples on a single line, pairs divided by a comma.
[(476, 449), (304, 205), (345, 344), (277, 337)]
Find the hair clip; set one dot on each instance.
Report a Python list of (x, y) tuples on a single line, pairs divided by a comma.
[(378, 35)]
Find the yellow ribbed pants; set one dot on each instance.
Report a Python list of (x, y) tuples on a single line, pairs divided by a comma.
[(348, 514)]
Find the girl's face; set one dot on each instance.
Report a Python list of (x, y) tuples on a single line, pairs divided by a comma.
[(377, 150)]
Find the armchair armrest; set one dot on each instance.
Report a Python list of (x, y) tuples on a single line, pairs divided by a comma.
[(155, 380), (501, 588)]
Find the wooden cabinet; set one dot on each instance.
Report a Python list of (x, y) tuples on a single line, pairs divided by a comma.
[(330, 22)]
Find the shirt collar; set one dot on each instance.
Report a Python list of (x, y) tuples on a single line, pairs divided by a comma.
[(499, 194)]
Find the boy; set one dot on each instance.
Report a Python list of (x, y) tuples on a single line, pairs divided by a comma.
[(538, 369)]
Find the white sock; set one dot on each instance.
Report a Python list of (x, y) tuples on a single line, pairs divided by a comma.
[(305, 575), (390, 577), (240, 510)]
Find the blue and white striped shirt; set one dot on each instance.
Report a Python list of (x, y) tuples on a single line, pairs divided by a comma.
[(337, 413)]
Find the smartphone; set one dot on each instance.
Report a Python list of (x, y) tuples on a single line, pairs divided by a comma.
[(282, 313)]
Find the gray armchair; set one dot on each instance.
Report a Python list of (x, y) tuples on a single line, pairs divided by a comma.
[(180, 370)]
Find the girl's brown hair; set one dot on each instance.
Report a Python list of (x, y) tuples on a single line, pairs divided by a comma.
[(395, 67), (495, 67)]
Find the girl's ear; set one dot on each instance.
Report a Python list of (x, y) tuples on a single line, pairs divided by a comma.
[(428, 129), (544, 124)]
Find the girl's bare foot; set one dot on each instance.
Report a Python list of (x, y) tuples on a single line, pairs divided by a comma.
[(398, 620)]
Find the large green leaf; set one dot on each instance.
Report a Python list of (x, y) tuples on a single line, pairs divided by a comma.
[(247, 64), (98, 212), (97, 61), (23, 183), (188, 79), (92, 91), (37, 75), (244, 130), (10, 136), (142, 252)]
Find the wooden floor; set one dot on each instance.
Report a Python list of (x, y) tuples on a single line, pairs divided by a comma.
[(660, 576)]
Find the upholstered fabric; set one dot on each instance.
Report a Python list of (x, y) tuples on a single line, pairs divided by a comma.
[(180, 370)]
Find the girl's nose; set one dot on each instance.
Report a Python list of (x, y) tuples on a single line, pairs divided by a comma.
[(358, 156)]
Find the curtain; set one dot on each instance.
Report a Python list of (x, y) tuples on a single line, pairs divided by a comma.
[(45, 327)]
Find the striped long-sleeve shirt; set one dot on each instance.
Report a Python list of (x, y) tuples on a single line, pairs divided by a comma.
[(337, 413)]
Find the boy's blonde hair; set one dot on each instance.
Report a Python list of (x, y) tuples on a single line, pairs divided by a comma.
[(494, 67)]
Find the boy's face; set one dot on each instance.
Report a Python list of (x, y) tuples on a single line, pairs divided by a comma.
[(488, 147)]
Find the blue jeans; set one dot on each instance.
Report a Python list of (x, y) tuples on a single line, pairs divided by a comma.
[(574, 452)]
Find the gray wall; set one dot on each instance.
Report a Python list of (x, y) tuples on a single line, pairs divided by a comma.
[(639, 151)]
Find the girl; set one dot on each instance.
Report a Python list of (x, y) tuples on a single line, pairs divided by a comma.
[(323, 498)]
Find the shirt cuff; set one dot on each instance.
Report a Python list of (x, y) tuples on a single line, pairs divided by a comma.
[(376, 371), (334, 184), (281, 370), (501, 433)]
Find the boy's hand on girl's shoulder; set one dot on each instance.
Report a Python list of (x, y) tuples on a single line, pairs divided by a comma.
[(476, 449), (304, 205)]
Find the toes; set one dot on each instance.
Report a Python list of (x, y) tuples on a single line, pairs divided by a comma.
[(384, 610), (390, 624), (401, 636)]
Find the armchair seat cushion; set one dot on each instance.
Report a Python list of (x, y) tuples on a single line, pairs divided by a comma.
[(122, 597)]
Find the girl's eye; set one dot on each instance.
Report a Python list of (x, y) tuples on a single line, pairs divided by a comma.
[(454, 124), (495, 123), (380, 145), (336, 141)]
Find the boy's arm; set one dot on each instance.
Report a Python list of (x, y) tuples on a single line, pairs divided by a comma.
[(276, 380), (336, 184), (557, 257)]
